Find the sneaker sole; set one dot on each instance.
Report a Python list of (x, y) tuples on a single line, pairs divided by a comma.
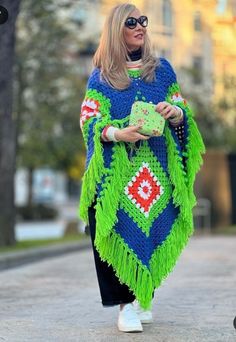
[(130, 329), (146, 321)]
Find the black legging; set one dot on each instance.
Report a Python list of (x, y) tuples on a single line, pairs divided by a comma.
[(112, 291)]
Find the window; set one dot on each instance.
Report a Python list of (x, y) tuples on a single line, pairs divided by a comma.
[(197, 70), (166, 13), (197, 22)]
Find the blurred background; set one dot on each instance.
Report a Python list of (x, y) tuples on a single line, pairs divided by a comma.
[(46, 50)]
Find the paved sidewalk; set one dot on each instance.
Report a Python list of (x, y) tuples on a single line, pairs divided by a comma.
[(57, 299)]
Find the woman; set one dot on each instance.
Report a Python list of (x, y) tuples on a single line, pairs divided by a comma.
[(137, 192)]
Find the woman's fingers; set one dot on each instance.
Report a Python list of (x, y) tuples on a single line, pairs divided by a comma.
[(171, 112), (165, 109), (144, 137), (161, 106), (134, 128), (138, 135), (135, 137), (131, 134)]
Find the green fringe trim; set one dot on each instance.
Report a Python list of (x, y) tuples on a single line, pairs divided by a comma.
[(193, 152), (107, 203), (195, 145), (166, 255), (96, 167), (128, 268), (93, 174), (177, 176)]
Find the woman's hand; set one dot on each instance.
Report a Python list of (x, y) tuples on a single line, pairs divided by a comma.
[(130, 134), (167, 110)]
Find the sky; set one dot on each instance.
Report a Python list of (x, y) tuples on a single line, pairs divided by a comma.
[(221, 6)]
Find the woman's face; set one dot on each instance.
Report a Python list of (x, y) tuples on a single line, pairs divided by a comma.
[(134, 38)]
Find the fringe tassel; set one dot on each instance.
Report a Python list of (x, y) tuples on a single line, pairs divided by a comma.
[(96, 167), (165, 257), (93, 174), (177, 176), (195, 148), (127, 267), (193, 152), (113, 186)]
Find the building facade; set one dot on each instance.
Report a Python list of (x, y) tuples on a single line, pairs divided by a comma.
[(197, 36)]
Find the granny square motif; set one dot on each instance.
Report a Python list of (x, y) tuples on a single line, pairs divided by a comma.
[(144, 113)]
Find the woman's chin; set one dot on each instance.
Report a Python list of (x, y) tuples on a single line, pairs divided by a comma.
[(139, 44), (135, 46)]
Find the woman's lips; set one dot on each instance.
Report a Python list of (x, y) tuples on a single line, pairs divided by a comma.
[(139, 36)]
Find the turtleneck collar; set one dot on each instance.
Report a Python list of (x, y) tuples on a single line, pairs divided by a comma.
[(135, 55)]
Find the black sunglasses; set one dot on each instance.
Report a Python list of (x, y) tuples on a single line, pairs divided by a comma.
[(131, 22)]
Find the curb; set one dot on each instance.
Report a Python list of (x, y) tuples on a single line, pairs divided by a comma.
[(14, 259)]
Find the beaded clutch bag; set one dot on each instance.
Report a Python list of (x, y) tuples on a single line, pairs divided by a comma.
[(144, 113)]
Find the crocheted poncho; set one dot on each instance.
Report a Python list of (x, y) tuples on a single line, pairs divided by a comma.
[(144, 190)]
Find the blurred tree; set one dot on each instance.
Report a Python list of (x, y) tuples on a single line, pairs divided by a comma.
[(49, 89), (226, 107), (211, 123), (216, 118), (7, 125)]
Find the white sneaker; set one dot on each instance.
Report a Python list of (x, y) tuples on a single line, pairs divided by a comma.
[(128, 320), (145, 316)]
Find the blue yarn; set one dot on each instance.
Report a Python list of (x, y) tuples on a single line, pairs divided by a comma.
[(142, 245)]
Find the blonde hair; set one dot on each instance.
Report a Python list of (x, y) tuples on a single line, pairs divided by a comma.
[(112, 53)]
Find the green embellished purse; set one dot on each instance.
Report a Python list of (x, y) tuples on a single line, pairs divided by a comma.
[(144, 113)]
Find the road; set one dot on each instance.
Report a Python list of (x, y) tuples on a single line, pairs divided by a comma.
[(28, 230), (58, 299)]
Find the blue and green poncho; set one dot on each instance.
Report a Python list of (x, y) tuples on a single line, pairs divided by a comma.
[(144, 190)]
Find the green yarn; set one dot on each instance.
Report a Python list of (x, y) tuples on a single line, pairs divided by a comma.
[(96, 167), (134, 73), (107, 203), (92, 175), (167, 254), (127, 267), (143, 222), (194, 150), (177, 177), (195, 146)]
